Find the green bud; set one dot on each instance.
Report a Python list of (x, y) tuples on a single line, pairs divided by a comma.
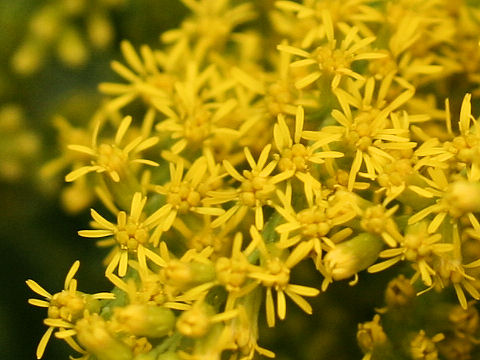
[(352, 256), (145, 320)]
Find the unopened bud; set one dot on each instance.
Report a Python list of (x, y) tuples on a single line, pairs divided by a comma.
[(145, 320), (94, 335), (352, 256), (463, 197)]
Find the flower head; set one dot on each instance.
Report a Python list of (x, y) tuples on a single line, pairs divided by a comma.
[(129, 236), (65, 309), (111, 157)]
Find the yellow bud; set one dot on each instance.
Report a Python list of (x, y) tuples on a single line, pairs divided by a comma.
[(195, 322), (93, 334), (463, 197)]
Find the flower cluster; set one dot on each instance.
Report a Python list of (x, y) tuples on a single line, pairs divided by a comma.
[(263, 134)]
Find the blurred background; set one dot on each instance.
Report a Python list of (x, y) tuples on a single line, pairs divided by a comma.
[(39, 80), (53, 55)]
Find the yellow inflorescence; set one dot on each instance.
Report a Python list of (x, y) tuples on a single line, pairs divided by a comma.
[(231, 162)]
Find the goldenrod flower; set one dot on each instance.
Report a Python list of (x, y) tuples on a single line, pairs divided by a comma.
[(183, 194), (331, 60), (314, 223), (295, 156), (146, 80), (454, 272), (94, 333), (454, 199), (422, 347), (196, 117), (371, 335), (461, 150), (418, 247), (210, 26), (191, 275), (144, 320), (130, 235), (368, 131), (197, 321), (367, 171), (65, 309), (111, 158), (244, 332), (257, 187), (149, 289), (274, 274)]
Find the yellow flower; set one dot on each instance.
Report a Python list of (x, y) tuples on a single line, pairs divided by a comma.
[(274, 274), (368, 131), (232, 272), (418, 247), (65, 309), (331, 60), (147, 81), (370, 335), (461, 151), (191, 275), (187, 193), (198, 115), (257, 187), (94, 333), (422, 347), (293, 155), (130, 235), (149, 289), (197, 321), (111, 158), (454, 272), (314, 223), (244, 331), (210, 26), (454, 200)]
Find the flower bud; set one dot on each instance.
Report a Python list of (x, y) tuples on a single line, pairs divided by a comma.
[(145, 320), (349, 257), (94, 335), (463, 197), (195, 322), (184, 275)]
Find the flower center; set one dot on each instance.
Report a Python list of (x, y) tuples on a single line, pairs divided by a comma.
[(255, 188), (183, 197), (66, 306), (111, 158), (130, 235)]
